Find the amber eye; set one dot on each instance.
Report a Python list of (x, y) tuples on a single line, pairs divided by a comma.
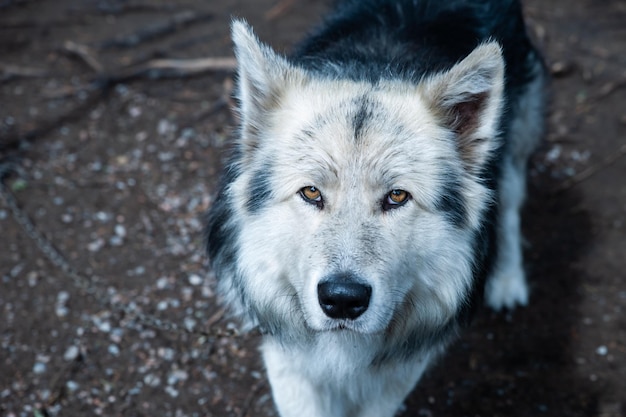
[(395, 199), (312, 195)]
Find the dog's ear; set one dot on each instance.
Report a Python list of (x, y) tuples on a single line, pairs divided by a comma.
[(262, 77), (468, 99)]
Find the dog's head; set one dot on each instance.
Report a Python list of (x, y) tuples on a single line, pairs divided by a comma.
[(354, 205)]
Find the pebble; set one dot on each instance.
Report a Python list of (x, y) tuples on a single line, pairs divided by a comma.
[(166, 353), (162, 283), (134, 111), (72, 386), (120, 230), (116, 335), (71, 353), (102, 325), (177, 375), (96, 245), (195, 279), (171, 391), (602, 350), (103, 216), (165, 126), (152, 380), (114, 350), (60, 309), (39, 368), (190, 323)]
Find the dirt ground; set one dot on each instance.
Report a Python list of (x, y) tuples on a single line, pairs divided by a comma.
[(118, 165)]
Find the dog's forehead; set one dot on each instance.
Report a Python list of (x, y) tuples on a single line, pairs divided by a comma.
[(339, 133), (341, 114)]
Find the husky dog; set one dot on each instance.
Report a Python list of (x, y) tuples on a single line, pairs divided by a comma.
[(374, 192)]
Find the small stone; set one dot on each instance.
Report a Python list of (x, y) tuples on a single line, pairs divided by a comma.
[(103, 326), (72, 386), (177, 375), (114, 350), (152, 380), (71, 353), (190, 323), (166, 353), (120, 230), (602, 350), (39, 368), (195, 279), (103, 216), (96, 245), (161, 283), (171, 391)]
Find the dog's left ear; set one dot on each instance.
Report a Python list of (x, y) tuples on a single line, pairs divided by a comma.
[(468, 99)]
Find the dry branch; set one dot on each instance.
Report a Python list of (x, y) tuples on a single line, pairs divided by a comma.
[(155, 30), (10, 72), (84, 53)]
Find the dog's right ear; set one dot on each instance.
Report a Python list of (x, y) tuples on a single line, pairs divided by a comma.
[(262, 75)]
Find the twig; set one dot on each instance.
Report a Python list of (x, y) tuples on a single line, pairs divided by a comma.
[(609, 89), (188, 66), (10, 72), (155, 30), (169, 68), (84, 53), (117, 8), (591, 171), (154, 69)]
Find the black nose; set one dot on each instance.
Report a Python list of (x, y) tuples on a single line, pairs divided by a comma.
[(342, 298)]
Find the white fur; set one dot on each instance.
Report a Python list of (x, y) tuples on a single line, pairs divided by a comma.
[(333, 376)]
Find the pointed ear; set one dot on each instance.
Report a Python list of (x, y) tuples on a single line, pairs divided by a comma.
[(263, 76), (468, 99)]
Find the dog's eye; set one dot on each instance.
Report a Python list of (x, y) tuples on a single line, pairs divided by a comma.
[(312, 195), (395, 199)]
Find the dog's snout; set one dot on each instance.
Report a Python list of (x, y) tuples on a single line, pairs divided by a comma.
[(342, 298)]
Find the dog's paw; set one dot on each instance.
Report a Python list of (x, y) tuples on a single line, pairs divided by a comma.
[(506, 290)]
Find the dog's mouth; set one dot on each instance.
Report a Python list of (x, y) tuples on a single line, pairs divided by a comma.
[(346, 326)]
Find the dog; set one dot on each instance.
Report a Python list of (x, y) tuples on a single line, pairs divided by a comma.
[(372, 198)]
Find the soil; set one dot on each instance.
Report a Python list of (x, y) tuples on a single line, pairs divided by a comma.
[(118, 170)]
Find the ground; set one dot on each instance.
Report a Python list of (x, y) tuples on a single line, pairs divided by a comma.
[(117, 170)]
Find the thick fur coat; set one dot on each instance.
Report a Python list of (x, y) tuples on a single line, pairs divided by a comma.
[(373, 194)]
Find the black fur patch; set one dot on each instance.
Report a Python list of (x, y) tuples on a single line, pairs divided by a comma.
[(452, 202), (363, 114), (260, 189)]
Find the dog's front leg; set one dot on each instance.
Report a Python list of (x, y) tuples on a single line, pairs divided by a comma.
[(294, 394)]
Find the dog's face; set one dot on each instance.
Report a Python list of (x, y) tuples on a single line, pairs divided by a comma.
[(357, 203)]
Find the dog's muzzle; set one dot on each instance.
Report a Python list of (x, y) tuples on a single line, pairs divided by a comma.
[(341, 296)]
